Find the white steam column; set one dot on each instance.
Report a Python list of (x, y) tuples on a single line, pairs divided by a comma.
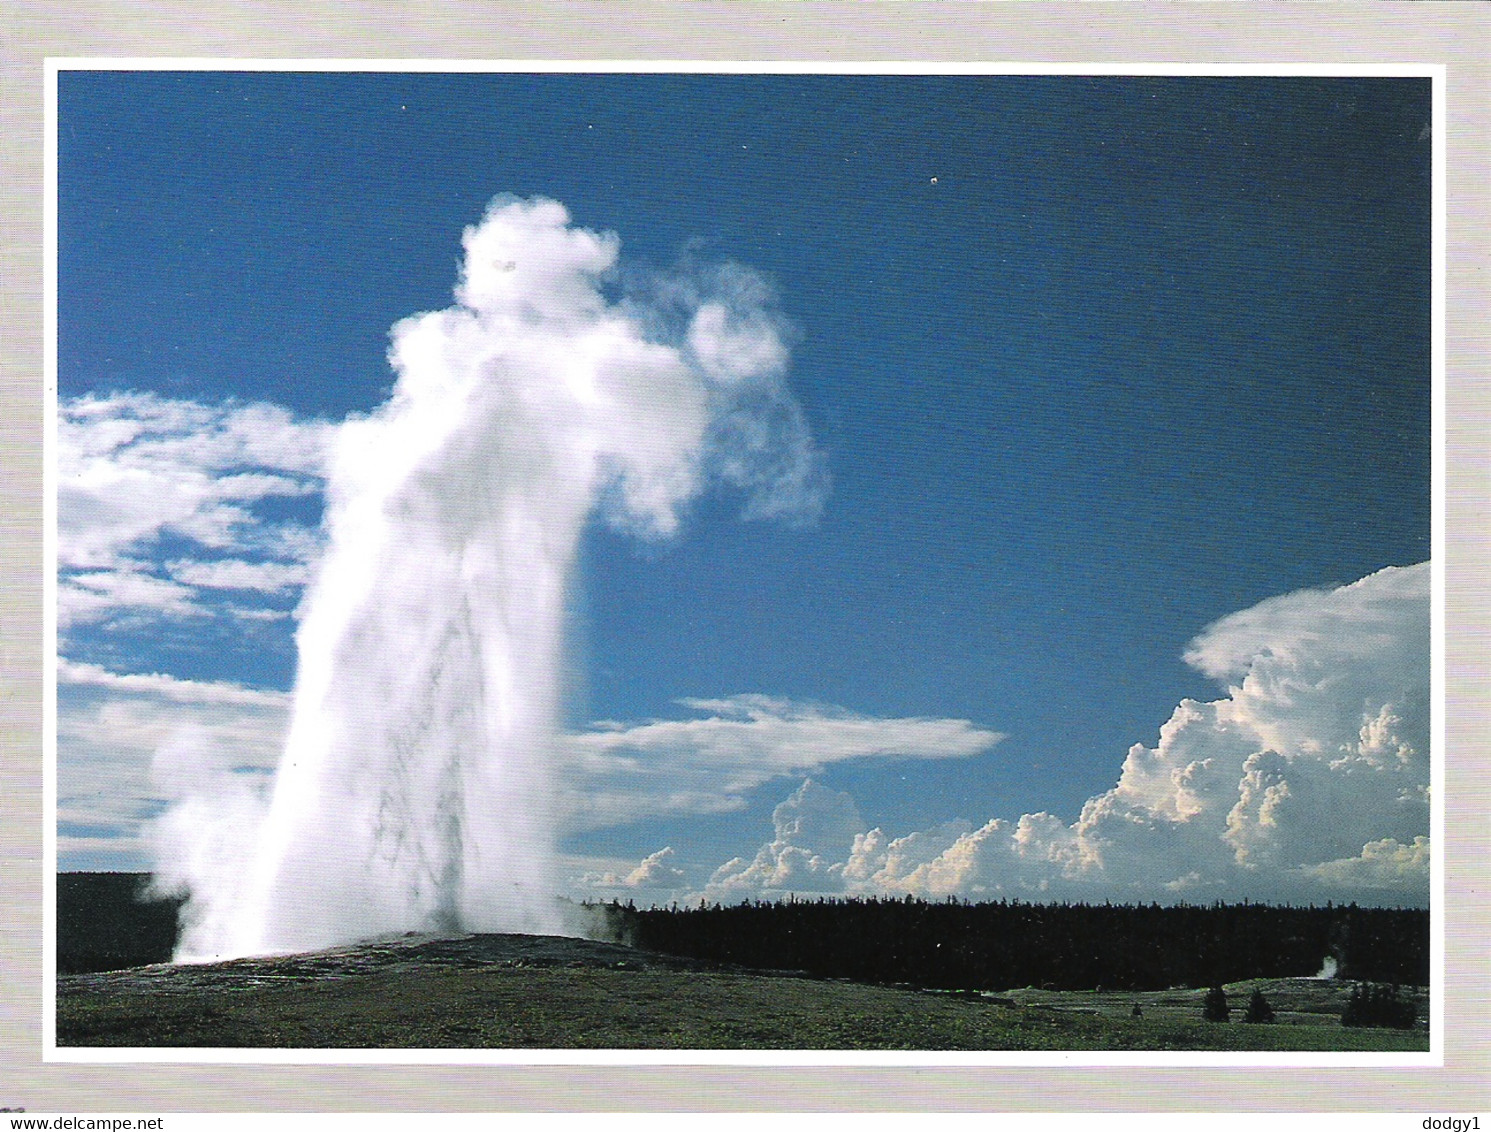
[(414, 793)]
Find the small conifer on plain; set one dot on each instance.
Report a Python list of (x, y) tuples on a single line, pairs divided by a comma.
[(1215, 1008), (1258, 1008)]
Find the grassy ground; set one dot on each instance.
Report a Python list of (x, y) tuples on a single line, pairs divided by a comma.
[(539, 1008)]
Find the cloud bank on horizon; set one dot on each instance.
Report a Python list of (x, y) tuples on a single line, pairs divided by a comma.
[(1309, 780)]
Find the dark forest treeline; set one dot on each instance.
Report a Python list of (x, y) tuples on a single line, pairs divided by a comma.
[(992, 946), (107, 920)]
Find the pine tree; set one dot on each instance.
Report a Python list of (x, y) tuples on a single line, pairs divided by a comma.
[(1216, 1009), (1258, 1008)]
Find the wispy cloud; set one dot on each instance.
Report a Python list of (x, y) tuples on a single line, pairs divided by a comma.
[(136, 470), (161, 687), (94, 595), (730, 331), (112, 726), (618, 773), (236, 574)]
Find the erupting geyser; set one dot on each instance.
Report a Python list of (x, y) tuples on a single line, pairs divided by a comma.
[(414, 789)]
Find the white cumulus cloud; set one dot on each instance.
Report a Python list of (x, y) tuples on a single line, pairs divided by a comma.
[(1308, 780), (1385, 864), (656, 873), (815, 829)]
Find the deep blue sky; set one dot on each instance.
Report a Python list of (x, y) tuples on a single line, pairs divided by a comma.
[(1094, 362)]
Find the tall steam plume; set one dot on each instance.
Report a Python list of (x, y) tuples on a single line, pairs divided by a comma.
[(414, 790)]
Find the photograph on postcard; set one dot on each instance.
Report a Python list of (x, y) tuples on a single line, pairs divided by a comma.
[(876, 562)]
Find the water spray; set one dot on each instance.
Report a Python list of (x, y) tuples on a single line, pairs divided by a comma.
[(415, 788)]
